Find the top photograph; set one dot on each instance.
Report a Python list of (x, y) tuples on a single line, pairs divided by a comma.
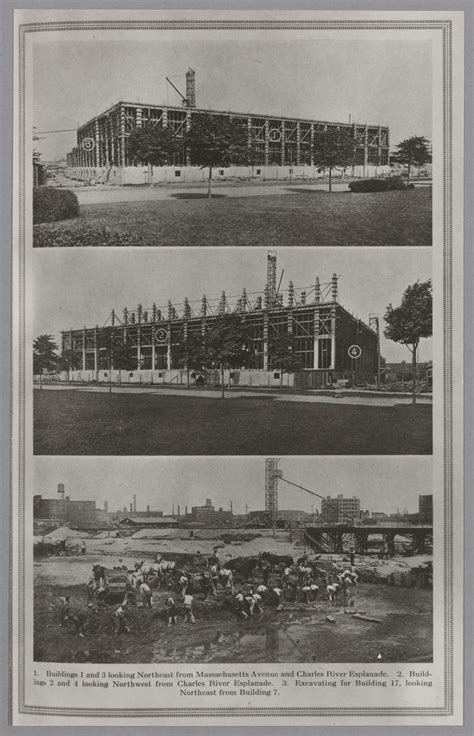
[(168, 140)]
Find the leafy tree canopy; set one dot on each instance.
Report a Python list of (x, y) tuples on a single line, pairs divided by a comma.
[(413, 319), (45, 356), (281, 354), (153, 144), (227, 343), (413, 151), (69, 360), (215, 140), (190, 353), (332, 148), (121, 356)]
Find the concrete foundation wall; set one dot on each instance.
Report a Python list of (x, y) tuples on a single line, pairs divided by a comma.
[(139, 175)]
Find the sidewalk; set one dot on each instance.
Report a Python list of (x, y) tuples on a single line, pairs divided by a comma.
[(235, 393)]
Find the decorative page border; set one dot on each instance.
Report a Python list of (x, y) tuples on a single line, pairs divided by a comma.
[(18, 471)]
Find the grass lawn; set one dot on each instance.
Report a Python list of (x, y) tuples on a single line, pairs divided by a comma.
[(303, 217), (80, 423)]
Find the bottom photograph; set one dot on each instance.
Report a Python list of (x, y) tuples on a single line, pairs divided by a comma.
[(292, 559)]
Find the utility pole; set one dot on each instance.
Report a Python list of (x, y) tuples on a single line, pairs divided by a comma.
[(375, 325)]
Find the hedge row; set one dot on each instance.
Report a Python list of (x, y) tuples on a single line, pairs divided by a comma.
[(378, 185), (62, 237), (50, 205)]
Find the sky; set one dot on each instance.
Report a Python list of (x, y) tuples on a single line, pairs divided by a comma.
[(72, 288), (380, 82), (382, 483)]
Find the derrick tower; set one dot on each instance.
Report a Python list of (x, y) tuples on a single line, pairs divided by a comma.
[(272, 474)]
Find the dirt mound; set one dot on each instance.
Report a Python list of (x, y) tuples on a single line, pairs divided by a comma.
[(65, 533)]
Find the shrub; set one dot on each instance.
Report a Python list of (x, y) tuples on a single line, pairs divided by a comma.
[(51, 204), (377, 185), (396, 182), (50, 236)]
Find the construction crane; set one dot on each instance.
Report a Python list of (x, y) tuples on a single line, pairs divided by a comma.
[(313, 493), (190, 99)]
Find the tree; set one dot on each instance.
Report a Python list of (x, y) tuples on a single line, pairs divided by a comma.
[(45, 357), (281, 355), (69, 360), (411, 321), (124, 359), (190, 353), (119, 356), (414, 151), (227, 345), (215, 140), (333, 147), (154, 145)]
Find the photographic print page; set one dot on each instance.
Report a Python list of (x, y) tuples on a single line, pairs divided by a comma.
[(237, 361)]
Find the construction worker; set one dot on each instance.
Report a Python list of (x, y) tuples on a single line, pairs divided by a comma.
[(120, 622), (241, 604), (286, 577), (266, 569), (227, 578), (262, 589), (171, 611), (332, 591), (214, 571), (146, 594), (183, 584), (188, 610), (254, 601), (277, 592), (313, 591), (68, 615), (65, 613), (205, 584)]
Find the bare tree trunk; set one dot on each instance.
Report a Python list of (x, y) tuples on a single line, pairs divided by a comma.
[(408, 173), (222, 381), (330, 178), (281, 379), (413, 368), (209, 180), (150, 174)]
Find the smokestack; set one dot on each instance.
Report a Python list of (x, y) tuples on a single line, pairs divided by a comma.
[(61, 490), (131, 508), (148, 509), (334, 287), (179, 510), (134, 503), (231, 508), (190, 88), (186, 510), (106, 505)]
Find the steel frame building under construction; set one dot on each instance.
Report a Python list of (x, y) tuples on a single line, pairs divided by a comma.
[(277, 141), (321, 329)]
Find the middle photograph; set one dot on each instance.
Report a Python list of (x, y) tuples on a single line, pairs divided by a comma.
[(291, 352)]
